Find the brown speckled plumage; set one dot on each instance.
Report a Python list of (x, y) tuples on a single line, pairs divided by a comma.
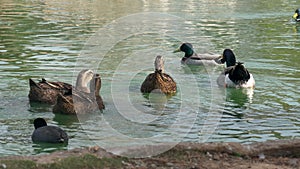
[(47, 92), (159, 80)]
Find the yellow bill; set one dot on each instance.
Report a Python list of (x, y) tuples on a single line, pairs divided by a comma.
[(177, 50), (295, 15)]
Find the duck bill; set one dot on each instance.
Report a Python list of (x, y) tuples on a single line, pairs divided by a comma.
[(222, 59), (177, 50), (295, 15)]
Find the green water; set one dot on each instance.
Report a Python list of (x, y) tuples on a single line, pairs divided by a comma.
[(52, 39)]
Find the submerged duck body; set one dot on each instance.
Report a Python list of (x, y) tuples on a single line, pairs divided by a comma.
[(159, 80), (46, 91), (235, 75), (48, 134), (191, 58), (85, 102), (296, 15)]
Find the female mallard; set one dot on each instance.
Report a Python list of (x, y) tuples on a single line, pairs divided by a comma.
[(85, 102), (191, 58), (159, 79), (296, 16), (47, 92), (48, 134), (235, 75)]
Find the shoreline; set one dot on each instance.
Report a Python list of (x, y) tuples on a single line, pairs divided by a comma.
[(269, 154)]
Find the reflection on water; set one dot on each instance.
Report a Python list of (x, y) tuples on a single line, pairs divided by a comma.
[(239, 97), (44, 39), (39, 148)]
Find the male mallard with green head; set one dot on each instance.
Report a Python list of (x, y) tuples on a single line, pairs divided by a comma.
[(296, 16), (85, 102), (47, 92), (191, 58), (159, 79), (235, 75)]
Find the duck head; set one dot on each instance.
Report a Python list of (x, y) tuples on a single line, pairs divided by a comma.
[(228, 57), (39, 122), (83, 78), (95, 85), (297, 15), (159, 64), (187, 48)]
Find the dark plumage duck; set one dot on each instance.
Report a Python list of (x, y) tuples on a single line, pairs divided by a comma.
[(296, 16), (47, 92), (191, 58), (85, 102), (48, 134), (159, 80), (235, 75)]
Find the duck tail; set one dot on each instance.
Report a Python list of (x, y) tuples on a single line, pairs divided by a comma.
[(33, 84)]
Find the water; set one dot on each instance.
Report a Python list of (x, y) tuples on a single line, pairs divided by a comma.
[(54, 39)]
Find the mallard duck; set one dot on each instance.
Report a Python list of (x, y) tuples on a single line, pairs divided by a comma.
[(297, 15), (235, 75), (85, 102), (47, 92), (48, 134), (191, 58), (159, 80)]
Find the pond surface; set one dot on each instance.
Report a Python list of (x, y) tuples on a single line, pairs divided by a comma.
[(119, 40)]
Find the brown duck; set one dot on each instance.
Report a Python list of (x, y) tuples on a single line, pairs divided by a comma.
[(85, 102), (47, 92), (159, 80)]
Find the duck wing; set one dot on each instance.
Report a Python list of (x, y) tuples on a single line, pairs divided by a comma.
[(65, 87), (149, 83), (206, 56)]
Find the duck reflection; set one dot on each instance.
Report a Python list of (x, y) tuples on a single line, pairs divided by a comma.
[(239, 97), (237, 100), (297, 28), (65, 120), (36, 107), (48, 147), (158, 100)]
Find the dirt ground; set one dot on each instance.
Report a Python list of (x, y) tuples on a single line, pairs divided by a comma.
[(279, 154)]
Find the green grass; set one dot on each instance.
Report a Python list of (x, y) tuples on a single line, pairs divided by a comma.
[(84, 162), (20, 164)]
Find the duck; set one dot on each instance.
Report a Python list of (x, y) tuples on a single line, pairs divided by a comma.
[(296, 15), (86, 102), (235, 74), (48, 134), (191, 58), (47, 91), (159, 80)]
